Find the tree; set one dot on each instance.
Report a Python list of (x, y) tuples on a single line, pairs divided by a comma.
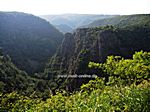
[(129, 69)]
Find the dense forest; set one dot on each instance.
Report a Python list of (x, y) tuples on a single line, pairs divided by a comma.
[(28, 40), (104, 66)]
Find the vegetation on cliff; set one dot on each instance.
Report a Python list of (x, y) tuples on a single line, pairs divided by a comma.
[(116, 94), (123, 82), (94, 44)]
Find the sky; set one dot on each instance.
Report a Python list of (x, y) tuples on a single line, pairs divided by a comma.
[(45, 7)]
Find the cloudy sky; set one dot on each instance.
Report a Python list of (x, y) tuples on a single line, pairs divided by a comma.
[(43, 7)]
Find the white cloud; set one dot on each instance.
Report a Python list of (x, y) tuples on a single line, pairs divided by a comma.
[(40, 7)]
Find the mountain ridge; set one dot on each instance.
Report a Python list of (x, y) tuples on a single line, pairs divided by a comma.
[(73, 20), (122, 21)]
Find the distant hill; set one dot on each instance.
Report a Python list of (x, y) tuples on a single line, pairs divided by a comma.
[(64, 28), (124, 21), (73, 20), (29, 40)]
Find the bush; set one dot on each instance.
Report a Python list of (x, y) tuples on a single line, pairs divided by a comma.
[(120, 93)]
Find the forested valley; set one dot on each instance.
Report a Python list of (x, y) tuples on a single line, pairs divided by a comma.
[(103, 64)]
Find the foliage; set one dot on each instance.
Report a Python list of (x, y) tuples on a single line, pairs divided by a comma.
[(135, 69), (110, 98), (97, 95)]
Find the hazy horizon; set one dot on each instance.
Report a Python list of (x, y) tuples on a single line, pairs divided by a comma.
[(56, 7)]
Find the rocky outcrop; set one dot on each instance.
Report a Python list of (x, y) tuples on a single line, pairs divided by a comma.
[(60, 62), (94, 44)]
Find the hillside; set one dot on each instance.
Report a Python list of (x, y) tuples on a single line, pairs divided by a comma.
[(29, 40), (124, 21), (95, 44), (73, 20), (11, 78)]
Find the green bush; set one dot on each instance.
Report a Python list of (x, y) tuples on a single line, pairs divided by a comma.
[(119, 94)]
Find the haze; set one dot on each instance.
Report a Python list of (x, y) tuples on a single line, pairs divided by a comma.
[(44, 7)]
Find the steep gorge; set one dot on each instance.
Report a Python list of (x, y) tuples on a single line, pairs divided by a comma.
[(95, 44)]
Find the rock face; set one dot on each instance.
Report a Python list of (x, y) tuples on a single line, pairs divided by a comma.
[(60, 62), (95, 44)]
